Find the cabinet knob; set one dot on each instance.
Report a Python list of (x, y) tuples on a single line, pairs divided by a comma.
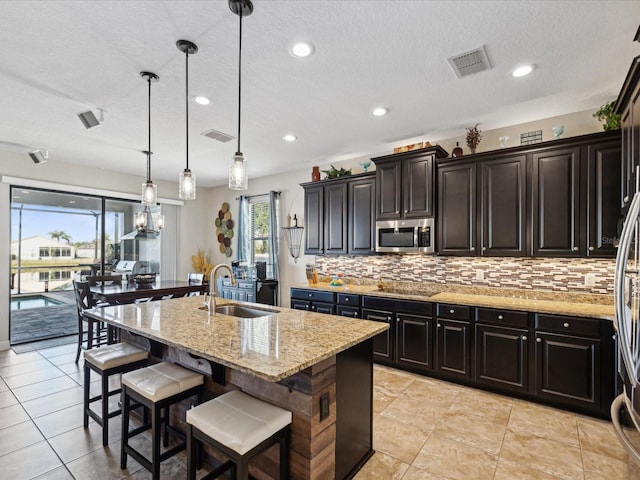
[(591, 249), (626, 198), (346, 299), (388, 319), (575, 249), (355, 314), (310, 295), (565, 324), (614, 337), (313, 308), (538, 339), (524, 337), (438, 325), (471, 249), (452, 311), (406, 211), (484, 249), (500, 317)]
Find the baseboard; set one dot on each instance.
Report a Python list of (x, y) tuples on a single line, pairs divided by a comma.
[(5, 345)]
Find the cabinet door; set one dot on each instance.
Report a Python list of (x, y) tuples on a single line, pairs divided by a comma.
[(226, 293), (326, 308), (556, 203), (362, 216), (604, 197), (300, 304), (383, 342), (414, 338), (568, 369), (503, 220), (314, 220), (453, 340), (352, 312), (628, 173), (388, 190), (501, 356), (457, 209), (417, 177), (335, 216)]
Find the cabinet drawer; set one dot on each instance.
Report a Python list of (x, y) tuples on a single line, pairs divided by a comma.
[(379, 303), (414, 307), (568, 325), (454, 311), (349, 299), (502, 317), (246, 285), (314, 295), (347, 311)]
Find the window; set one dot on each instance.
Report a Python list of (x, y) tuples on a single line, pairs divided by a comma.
[(44, 252), (260, 232), (43, 276)]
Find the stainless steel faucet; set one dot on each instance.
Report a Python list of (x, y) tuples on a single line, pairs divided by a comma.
[(211, 298)]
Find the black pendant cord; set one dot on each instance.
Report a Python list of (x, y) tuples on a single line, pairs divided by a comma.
[(239, 79), (149, 150), (186, 103)]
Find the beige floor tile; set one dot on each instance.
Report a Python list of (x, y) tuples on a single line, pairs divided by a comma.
[(414, 473), (7, 399), (61, 421), (3, 386), (496, 408), (78, 442), (597, 466), (66, 359), (103, 464), (598, 436), (54, 402), (22, 368), (381, 399), (29, 462), (19, 436), (531, 419), (508, 470), (42, 389), (60, 473), (393, 381), (61, 350), (447, 458), (12, 415), (555, 458), (397, 439), (413, 410), (474, 431), (31, 378), (9, 357), (382, 466)]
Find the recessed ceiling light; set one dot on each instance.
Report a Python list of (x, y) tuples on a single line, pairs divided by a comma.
[(380, 111), (289, 138), (72, 201), (301, 49), (202, 100), (522, 71)]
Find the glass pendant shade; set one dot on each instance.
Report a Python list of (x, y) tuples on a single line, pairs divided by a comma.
[(238, 175), (187, 185), (159, 221), (149, 194), (140, 222)]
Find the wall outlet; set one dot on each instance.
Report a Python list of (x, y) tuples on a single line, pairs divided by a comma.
[(479, 274), (590, 280)]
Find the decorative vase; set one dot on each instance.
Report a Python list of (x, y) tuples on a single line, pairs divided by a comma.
[(457, 151), (315, 174), (557, 131), (473, 150)]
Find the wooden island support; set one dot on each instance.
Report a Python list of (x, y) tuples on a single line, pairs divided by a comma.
[(317, 366)]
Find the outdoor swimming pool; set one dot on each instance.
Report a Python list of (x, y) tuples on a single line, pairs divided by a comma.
[(33, 301)]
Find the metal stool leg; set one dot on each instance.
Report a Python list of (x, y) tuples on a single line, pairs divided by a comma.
[(124, 440)]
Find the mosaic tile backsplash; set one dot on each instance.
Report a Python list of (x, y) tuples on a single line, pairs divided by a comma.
[(555, 274)]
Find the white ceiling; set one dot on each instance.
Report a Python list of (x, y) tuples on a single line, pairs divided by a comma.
[(59, 58)]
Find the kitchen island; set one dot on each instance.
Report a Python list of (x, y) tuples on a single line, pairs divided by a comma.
[(317, 366)]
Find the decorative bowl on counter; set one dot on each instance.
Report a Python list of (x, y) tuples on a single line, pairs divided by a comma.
[(144, 279), (337, 281)]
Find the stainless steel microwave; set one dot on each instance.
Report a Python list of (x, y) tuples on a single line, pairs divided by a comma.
[(405, 236)]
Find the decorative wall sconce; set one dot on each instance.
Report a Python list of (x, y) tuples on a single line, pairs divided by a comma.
[(293, 237)]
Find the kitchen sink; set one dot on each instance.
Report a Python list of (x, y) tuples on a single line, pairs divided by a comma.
[(243, 311)]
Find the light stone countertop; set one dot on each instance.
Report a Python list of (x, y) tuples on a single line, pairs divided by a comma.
[(271, 347), (539, 301)]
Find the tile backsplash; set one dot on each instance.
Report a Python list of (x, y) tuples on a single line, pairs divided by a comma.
[(556, 274)]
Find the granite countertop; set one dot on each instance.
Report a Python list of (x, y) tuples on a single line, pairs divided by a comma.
[(540, 301), (271, 347)]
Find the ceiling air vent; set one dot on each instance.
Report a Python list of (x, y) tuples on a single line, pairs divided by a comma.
[(216, 135), (470, 63)]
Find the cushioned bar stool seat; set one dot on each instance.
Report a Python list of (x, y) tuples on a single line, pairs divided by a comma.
[(108, 360), (241, 427), (156, 387)]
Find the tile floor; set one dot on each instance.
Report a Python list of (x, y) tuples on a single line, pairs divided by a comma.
[(424, 429)]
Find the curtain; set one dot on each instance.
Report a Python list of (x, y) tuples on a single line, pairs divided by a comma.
[(274, 207), (244, 229)]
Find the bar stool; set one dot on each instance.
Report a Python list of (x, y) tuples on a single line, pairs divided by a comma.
[(241, 427), (108, 360), (156, 387)]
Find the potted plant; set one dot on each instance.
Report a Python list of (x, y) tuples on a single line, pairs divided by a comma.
[(610, 120), (474, 135)]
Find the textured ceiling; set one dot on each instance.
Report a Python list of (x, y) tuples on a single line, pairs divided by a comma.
[(59, 58)]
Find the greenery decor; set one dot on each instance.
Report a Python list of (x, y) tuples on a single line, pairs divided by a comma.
[(474, 135), (610, 120), (333, 172)]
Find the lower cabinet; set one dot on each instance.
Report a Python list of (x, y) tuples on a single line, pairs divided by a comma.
[(453, 339), (383, 342), (313, 300), (414, 337)]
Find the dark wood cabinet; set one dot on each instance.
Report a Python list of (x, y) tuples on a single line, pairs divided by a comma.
[(414, 340), (404, 184), (604, 198), (313, 300), (502, 358), (556, 202), (255, 291), (453, 341), (457, 209), (339, 216), (383, 342), (362, 216), (503, 206)]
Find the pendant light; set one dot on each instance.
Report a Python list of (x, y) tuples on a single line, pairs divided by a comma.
[(187, 181), (149, 190), (238, 176)]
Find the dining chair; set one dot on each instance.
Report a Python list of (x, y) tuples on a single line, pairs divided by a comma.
[(96, 334), (195, 279)]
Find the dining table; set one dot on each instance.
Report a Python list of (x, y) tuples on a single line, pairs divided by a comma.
[(120, 294)]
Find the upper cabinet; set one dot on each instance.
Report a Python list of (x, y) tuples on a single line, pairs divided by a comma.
[(561, 199), (339, 216), (405, 184)]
